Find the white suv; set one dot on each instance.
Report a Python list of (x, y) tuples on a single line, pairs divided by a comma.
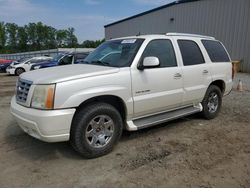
[(24, 66), (127, 83)]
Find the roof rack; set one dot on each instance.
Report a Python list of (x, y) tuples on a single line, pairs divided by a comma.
[(189, 35)]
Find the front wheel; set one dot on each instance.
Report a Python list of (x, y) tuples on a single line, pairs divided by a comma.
[(212, 102), (95, 130), (19, 71)]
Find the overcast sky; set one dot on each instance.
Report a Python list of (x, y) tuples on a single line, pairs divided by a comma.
[(87, 16)]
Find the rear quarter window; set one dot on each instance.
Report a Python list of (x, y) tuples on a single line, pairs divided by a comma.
[(191, 53), (216, 51)]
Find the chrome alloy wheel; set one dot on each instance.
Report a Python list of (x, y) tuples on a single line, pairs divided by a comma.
[(99, 131), (213, 102)]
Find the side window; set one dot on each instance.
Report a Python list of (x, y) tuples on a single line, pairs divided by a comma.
[(66, 60), (216, 51), (28, 62), (80, 57), (33, 61), (163, 49), (191, 53)]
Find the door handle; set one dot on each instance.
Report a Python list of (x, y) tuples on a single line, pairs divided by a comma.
[(205, 71), (177, 76)]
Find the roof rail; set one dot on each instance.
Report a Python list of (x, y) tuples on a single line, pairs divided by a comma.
[(189, 35)]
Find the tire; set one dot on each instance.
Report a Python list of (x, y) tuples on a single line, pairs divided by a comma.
[(19, 71), (212, 102), (88, 135)]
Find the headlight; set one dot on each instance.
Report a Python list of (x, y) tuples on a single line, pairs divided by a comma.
[(43, 97), (37, 67)]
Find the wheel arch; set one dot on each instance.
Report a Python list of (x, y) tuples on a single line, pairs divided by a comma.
[(221, 84), (113, 100)]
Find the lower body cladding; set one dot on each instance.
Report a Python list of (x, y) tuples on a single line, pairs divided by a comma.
[(45, 125)]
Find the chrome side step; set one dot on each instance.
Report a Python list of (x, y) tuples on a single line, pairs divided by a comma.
[(164, 117)]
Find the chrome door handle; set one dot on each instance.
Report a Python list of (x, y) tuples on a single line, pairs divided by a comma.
[(177, 75), (205, 72)]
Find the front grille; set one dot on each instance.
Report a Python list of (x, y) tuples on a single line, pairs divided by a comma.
[(22, 90)]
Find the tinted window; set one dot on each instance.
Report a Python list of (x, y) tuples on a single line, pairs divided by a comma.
[(34, 61), (162, 49), (216, 51), (191, 53), (80, 57), (66, 60)]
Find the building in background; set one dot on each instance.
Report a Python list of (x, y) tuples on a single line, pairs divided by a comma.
[(226, 20)]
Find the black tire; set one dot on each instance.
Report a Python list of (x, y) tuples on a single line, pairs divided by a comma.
[(81, 122), (207, 112), (19, 71)]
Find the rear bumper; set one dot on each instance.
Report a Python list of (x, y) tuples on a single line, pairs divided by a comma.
[(45, 125)]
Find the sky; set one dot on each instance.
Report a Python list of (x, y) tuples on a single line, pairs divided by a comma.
[(87, 16)]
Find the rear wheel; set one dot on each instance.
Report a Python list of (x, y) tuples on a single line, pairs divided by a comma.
[(212, 102), (95, 130), (19, 71)]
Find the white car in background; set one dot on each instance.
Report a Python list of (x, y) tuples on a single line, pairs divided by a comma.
[(24, 66)]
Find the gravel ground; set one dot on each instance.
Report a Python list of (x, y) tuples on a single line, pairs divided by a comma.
[(189, 152)]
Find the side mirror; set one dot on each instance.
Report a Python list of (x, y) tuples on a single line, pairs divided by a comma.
[(149, 62)]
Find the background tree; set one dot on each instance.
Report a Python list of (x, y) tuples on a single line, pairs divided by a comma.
[(50, 43), (22, 38), (2, 35), (61, 38), (38, 36), (72, 40), (91, 43), (32, 36), (11, 29)]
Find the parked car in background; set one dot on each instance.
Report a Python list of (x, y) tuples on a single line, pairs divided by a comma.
[(24, 66), (3, 66), (2, 61), (62, 58)]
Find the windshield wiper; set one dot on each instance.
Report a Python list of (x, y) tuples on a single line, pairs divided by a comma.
[(100, 62)]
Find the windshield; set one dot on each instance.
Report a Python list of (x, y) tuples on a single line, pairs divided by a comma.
[(57, 57), (115, 53), (23, 59)]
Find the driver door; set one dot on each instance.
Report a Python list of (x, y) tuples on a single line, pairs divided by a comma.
[(159, 88)]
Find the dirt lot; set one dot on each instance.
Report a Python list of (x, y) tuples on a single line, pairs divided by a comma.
[(190, 152)]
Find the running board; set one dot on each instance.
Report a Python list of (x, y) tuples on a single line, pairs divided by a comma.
[(165, 117)]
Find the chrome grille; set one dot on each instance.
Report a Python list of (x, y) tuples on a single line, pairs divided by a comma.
[(22, 90)]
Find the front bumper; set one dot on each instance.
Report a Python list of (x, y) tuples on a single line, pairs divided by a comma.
[(10, 71), (45, 125)]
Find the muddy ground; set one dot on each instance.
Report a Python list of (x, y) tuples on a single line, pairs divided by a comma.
[(190, 152)]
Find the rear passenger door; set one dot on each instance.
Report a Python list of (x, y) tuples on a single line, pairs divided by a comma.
[(196, 73), (221, 68)]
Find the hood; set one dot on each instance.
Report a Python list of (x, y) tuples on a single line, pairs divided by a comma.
[(66, 73)]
